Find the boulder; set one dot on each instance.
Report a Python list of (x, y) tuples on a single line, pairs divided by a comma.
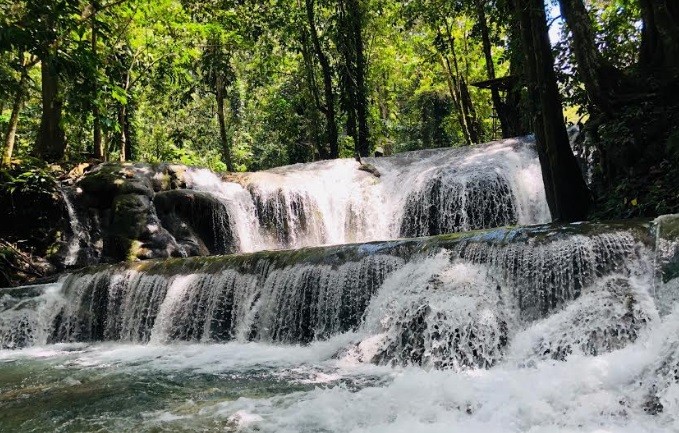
[(198, 221), (135, 232)]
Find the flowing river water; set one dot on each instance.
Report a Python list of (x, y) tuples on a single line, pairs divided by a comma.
[(547, 328)]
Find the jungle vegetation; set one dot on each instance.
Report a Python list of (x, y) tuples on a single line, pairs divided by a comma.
[(250, 84)]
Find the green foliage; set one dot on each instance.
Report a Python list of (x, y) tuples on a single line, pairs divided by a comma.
[(148, 74), (150, 79), (22, 180)]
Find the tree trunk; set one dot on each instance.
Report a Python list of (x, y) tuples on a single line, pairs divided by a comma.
[(601, 79), (226, 148), (514, 101), (10, 137), (452, 88), (51, 141), (354, 16), (98, 143), (124, 154), (2, 109), (126, 133), (326, 71), (349, 103), (468, 111), (660, 35), (500, 108), (517, 122), (319, 144), (124, 119), (567, 194)]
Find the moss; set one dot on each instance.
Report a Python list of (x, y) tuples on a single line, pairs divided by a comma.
[(668, 227), (130, 215), (109, 180), (134, 251), (250, 263), (162, 182)]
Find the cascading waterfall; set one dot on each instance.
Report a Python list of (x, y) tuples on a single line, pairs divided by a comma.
[(513, 275), (555, 328), (417, 194), (580, 313)]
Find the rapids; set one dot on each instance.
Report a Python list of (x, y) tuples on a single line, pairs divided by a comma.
[(354, 303), (541, 329)]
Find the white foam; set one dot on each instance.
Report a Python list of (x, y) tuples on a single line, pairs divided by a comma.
[(332, 202)]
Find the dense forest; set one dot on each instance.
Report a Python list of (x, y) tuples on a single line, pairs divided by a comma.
[(243, 85)]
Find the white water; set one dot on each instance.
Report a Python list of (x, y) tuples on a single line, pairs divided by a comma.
[(78, 232), (595, 359), (418, 193), (594, 394)]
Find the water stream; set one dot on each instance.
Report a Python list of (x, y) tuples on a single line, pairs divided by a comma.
[(359, 303), (545, 329), (418, 193)]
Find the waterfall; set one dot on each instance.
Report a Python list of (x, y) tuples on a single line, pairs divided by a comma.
[(143, 211), (321, 317), (239, 217), (418, 193), (555, 327), (79, 234), (430, 299), (296, 303)]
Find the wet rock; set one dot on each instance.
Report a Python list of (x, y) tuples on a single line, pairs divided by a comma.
[(369, 168), (666, 230), (198, 221), (105, 182), (135, 232), (169, 176), (33, 227), (448, 203)]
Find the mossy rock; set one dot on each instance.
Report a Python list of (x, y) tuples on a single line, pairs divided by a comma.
[(106, 181), (135, 232), (130, 215), (169, 176), (369, 168), (668, 243)]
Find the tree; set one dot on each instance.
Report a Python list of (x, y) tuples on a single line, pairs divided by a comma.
[(567, 194), (350, 40), (24, 65), (660, 35), (328, 106), (601, 79), (219, 77), (53, 20), (503, 112)]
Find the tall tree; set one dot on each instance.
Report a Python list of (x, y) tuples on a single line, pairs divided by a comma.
[(24, 66), (51, 140), (601, 79), (660, 34), (99, 150), (567, 194), (457, 82), (328, 107), (219, 76), (350, 39), (500, 107)]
